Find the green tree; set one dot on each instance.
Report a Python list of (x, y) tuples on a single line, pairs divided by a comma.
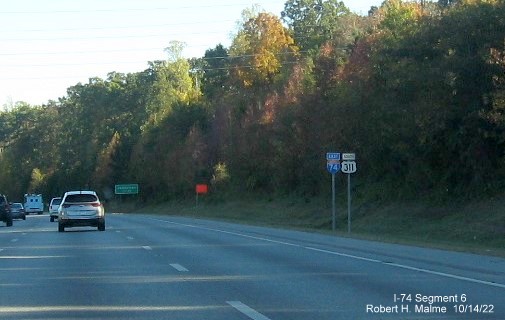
[(171, 83), (169, 157), (313, 22), (216, 72)]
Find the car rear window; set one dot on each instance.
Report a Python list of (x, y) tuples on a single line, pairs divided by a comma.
[(16, 205), (55, 202), (73, 198)]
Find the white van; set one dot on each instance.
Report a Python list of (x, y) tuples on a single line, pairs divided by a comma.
[(34, 204)]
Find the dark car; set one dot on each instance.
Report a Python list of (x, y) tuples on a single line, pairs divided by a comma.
[(18, 211), (5, 211)]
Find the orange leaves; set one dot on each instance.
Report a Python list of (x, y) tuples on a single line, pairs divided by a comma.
[(260, 49)]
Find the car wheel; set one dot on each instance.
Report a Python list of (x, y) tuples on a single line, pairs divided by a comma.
[(24, 217), (52, 219), (61, 228), (8, 223), (101, 225)]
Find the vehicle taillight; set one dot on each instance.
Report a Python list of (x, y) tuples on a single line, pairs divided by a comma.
[(95, 204)]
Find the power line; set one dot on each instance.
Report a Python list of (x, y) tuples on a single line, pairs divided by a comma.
[(119, 27), (231, 67), (73, 64), (230, 57), (38, 53), (129, 9), (109, 37), (77, 52)]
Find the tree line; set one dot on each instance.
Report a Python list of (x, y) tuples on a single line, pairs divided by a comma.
[(415, 89)]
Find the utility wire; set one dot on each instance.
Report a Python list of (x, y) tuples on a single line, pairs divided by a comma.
[(228, 58), (120, 27), (286, 63), (241, 5)]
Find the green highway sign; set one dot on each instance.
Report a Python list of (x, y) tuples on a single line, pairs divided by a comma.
[(131, 188)]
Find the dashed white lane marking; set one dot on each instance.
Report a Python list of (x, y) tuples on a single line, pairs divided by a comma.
[(248, 311), (129, 238), (147, 248), (14, 240), (178, 267), (428, 271)]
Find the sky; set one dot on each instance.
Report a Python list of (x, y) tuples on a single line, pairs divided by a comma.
[(47, 46)]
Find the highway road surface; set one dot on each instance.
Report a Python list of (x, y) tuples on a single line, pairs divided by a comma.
[(165, 267)]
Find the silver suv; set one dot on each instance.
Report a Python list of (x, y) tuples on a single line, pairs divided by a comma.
[(80, 209)]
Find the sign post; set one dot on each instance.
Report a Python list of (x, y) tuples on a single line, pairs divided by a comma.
[(200, 189), (348, 166), (333, 166)]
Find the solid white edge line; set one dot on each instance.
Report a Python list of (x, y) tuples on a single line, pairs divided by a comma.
[(248, 311), (147, 248), (442, 274), (448, 275), (178, 267), (343, 254)]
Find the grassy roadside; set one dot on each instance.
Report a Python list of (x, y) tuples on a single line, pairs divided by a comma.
[(477, 227)]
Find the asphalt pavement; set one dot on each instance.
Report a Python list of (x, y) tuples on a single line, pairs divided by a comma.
[(165, 267)]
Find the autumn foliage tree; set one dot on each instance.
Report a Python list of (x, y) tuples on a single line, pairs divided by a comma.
[(261, 49), (415, 89)]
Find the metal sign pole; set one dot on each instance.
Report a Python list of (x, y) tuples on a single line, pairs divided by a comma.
[(349, 203), (349, 166), (333, 166), (334, 216)]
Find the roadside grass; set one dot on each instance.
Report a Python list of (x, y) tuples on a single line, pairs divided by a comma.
[(476, 227)]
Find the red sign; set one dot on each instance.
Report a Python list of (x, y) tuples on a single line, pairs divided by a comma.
[(202, 188)]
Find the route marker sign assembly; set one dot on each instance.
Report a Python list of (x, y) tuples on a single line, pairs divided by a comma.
[(348, 166)]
